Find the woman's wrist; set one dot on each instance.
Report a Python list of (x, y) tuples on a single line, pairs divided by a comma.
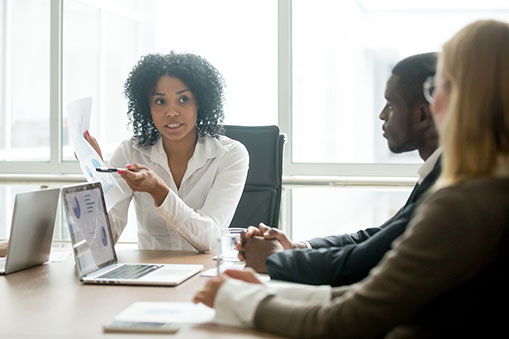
[(159, 194)]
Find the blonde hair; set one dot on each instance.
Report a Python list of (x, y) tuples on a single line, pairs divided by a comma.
[(475, 130)]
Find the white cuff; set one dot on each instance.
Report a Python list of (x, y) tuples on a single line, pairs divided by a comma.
[(174, 210), (236, 302), (293, 291)]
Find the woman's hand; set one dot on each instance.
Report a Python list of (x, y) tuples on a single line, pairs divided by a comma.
[(140, 178), (247, 275), (95, 145), (208, 293)]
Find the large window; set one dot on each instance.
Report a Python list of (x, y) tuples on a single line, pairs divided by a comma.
[(103, 40), (342, 55), (24, 80), (100, 43), (323, 211), (316, 68)]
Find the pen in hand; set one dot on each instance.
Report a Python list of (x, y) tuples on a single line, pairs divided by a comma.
[(112, 169)]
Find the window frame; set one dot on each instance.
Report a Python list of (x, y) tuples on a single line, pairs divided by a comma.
[(59, 171), (56, 164), (291, 168)]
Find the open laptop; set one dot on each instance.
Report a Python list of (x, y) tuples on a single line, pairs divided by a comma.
[(94, 251), (33, 222)]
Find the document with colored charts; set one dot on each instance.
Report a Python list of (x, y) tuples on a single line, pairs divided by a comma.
[(78, 121)]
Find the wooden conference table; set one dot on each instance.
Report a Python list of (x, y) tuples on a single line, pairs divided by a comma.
[(48, 301)]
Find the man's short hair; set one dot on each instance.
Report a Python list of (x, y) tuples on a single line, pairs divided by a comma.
[(412, 72)]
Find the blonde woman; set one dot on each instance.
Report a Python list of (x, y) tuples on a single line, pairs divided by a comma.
[(446, 275)]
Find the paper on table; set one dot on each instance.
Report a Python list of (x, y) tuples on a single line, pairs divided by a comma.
[(167, 312), (78, 121), (233, 266), (228, 265)]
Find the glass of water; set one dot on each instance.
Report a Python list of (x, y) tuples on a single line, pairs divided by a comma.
[(229, 237)]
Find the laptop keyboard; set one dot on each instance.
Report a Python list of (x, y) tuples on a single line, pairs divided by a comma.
[(129, 272)]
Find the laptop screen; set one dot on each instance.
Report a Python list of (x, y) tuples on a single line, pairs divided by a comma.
[(89, 227)]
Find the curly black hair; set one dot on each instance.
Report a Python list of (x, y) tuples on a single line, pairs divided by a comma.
[(203, 79)]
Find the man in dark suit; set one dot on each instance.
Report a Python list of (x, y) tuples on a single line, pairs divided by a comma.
[(344, 259)]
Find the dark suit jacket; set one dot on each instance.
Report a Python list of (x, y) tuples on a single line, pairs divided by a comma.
[(348, 258)]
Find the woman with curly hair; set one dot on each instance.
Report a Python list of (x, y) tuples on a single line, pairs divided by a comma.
[(445, 276), (186, 178)]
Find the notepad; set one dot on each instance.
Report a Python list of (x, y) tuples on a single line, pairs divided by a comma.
[(167, 312), (162, 317)]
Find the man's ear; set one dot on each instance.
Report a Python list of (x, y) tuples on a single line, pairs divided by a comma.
[(425, 119)]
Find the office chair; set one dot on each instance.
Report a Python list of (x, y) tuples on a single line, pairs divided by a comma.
[(261, 198)]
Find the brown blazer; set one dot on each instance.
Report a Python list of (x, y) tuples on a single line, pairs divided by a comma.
[(441, 279)]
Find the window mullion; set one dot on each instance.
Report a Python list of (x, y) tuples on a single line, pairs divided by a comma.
[(285, 99), (285, 76), (56, 10), (6, 74)]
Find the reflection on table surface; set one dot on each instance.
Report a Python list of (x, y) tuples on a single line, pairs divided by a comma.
[(48, 301)]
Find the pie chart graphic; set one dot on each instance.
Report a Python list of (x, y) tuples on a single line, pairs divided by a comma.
[(76, 208), (89, 172), (104, 238)]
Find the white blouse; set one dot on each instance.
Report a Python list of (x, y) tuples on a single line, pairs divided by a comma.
[(191, 217)]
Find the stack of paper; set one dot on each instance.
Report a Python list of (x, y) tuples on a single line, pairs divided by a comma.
[(162, 317)]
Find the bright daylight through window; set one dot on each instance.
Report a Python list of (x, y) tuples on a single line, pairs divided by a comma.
[(103, 40), (343, 53), (316, 68)]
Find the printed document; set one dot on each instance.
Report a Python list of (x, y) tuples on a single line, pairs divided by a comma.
[(78, 121)]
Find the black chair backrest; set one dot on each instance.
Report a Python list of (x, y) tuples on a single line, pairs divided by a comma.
[(261, 198)]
